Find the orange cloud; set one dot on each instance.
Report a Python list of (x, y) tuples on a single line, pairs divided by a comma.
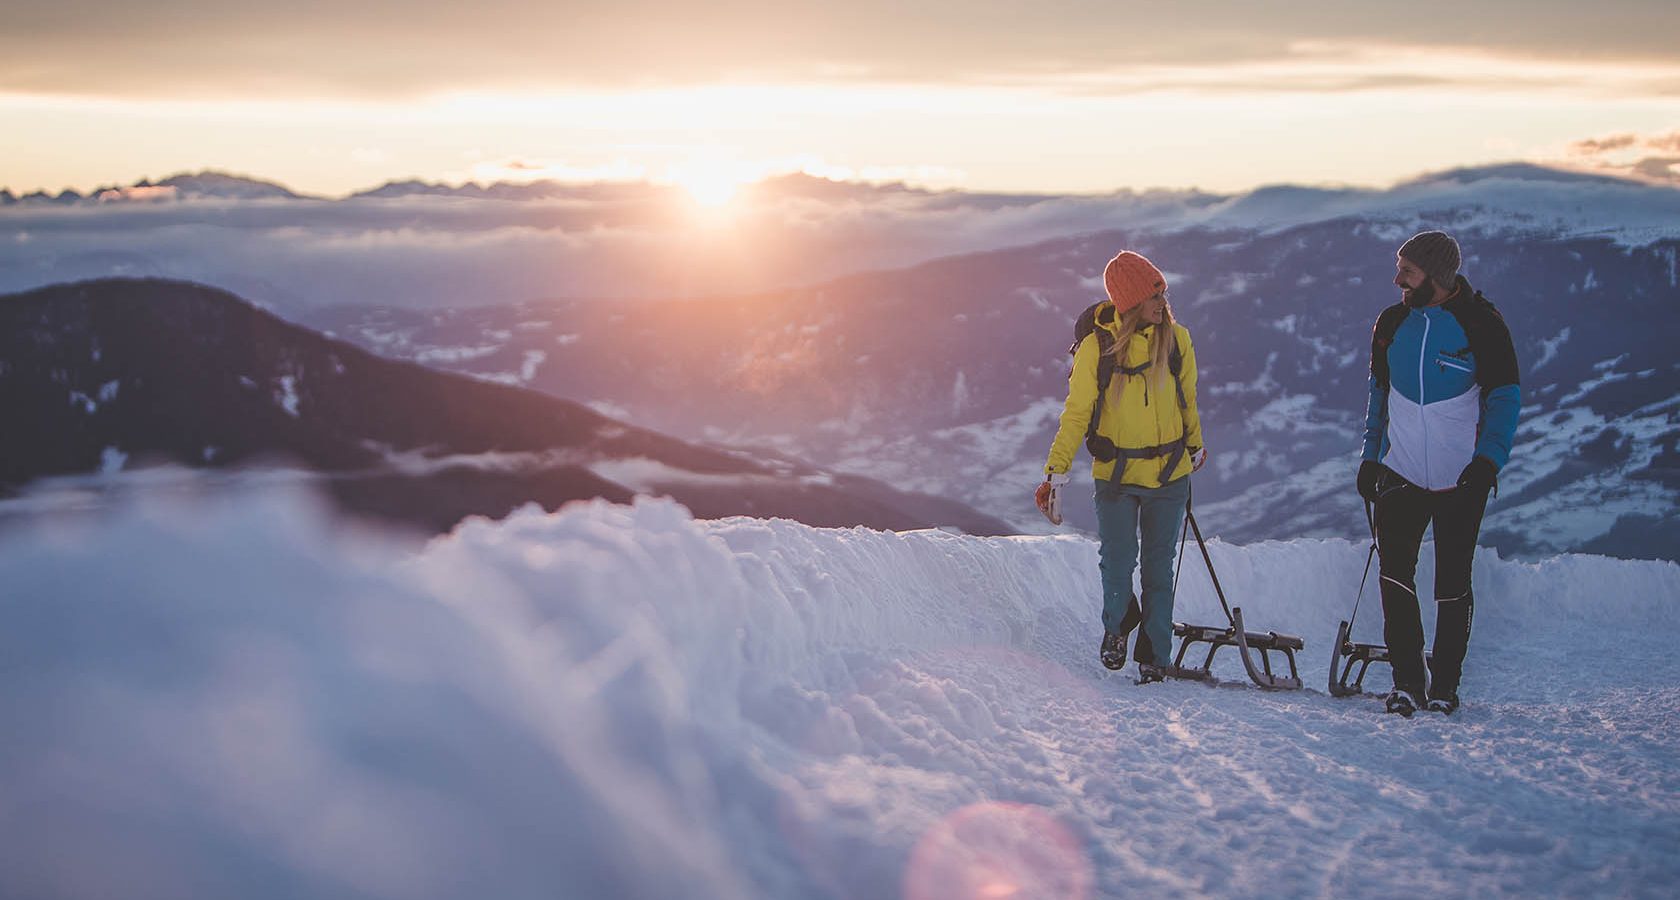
[(1597, 146), (1645, 157), (314, 48)]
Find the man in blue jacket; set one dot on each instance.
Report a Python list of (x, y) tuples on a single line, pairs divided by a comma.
[(1438, 428)]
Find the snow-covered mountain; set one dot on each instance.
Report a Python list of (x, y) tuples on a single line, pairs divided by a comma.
[(122, 373), (205, 185), (949, 376), (438, 246), (233, 697), (212, 185), (534, 191)]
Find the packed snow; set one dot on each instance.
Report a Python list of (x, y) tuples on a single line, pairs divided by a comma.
[(236, 695)]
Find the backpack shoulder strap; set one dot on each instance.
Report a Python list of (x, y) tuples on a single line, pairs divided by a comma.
[(1175, 365), (1087, 324), (1382, 335), (1084, 326), (1105, 359)]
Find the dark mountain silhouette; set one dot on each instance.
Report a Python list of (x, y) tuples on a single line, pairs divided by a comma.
[(166, 372)]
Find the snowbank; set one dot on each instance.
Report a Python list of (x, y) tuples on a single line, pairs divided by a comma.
[(244, 698)]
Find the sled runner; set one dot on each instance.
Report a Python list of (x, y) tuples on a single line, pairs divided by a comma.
[(1251, 645), (1345, 655)]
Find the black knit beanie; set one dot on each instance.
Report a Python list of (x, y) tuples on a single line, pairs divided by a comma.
[(1436, 253)]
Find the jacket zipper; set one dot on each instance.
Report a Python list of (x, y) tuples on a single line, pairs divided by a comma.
[(1423, 414)]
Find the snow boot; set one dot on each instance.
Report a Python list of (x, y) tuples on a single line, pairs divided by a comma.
[(1113, 651), (1149, 674), (1446, 705), (1400, 702)]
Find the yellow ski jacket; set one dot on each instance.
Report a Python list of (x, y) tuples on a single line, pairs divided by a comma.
[(1139, 411)]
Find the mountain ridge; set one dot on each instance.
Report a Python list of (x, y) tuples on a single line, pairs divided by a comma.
[(219, 184), (163, 371), (962, 392)]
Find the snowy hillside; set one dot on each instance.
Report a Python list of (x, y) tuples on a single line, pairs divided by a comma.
[(241, 698), (950, 375)]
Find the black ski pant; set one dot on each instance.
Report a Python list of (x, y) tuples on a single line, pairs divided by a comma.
[(1403, 511)]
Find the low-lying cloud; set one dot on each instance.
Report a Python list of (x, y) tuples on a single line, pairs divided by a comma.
[(431, 251), (484, 246)]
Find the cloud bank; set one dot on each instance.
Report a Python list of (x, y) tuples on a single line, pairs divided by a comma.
[(424, 250), (106, 47), (427, 246)]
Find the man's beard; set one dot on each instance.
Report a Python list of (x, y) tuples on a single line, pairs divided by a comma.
[(1420, 296)]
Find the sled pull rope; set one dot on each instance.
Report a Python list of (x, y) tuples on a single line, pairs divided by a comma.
[(1191, 519), (1189, 522), (1372, 522)]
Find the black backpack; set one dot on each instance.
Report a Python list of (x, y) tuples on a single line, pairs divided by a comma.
[(1102, 448)]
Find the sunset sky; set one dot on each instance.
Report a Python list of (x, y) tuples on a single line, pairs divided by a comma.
[(329, 98)]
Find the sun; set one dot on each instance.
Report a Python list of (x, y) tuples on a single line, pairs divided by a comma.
[(712, 185), (712, 192)]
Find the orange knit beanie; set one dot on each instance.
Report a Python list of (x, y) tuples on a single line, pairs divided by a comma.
[(1130, 279)]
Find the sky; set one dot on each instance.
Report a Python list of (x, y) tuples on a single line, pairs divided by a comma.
[(1073, 97)]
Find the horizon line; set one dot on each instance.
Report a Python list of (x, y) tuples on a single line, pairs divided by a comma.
[(146, 181)]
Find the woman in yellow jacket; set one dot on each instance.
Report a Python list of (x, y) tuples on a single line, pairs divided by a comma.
[(1146, 441)]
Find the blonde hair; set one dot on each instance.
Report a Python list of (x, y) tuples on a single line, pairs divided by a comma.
[(1161, 342)]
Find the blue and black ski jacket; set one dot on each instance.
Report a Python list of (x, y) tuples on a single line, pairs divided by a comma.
[(1443, 389)]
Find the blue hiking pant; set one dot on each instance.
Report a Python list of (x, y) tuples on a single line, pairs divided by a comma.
[(1124, 513)]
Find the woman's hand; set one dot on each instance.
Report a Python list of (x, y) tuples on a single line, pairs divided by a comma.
[(1048, 497), (1198, 458)]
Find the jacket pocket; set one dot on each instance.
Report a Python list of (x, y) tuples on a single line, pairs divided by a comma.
[(1449, 362)]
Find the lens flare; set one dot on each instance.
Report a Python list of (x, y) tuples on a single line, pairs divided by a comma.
[(992, 851)]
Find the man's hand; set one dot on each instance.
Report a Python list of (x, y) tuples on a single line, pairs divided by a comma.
[(1480, 475), (1198, 458), (1370, 473), (1048, 497)]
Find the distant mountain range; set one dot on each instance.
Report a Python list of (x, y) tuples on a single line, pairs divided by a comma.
[(416, 245), (206, 185), (949, 376), (123, 373), (215, 185), (918, 337)]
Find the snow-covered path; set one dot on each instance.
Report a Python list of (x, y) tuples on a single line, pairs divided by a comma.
[(1187, 791), (243, 699)]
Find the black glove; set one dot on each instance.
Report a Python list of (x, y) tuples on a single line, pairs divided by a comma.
[(1480, 475), (1370, 473)]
